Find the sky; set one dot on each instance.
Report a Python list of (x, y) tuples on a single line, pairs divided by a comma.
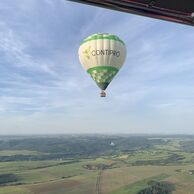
[(44, 89)]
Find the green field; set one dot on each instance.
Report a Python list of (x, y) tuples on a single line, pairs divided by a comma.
[(124, 172)]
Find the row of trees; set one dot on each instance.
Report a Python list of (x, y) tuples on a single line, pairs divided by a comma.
[(158, 188), (172, 158), (7, 178)]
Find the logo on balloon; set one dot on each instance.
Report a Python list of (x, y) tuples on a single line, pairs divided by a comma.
[(86, 52), (106, 52)]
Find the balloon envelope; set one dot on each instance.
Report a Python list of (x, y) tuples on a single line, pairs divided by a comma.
[(102, 55)]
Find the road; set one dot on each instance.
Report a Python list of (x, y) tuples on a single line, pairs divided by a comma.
[(98, 182)]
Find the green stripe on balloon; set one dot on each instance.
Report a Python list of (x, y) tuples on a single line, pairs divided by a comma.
[(97, 37), (102, 75)]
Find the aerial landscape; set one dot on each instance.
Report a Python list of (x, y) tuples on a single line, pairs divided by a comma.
[(58, 58), (97, 164)]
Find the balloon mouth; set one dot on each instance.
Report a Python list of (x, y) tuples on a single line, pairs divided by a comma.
[(102, 93)]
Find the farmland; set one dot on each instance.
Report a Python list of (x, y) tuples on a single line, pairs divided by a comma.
[(94, 165)]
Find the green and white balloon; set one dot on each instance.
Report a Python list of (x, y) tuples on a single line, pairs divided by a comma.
[(102, 56)]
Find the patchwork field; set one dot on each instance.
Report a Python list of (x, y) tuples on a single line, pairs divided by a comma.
[(127, 172)]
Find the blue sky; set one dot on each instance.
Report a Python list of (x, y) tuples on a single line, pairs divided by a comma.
[(43, 88)]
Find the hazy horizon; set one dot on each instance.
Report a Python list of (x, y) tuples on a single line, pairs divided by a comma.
[(44, 90), (99, 134)]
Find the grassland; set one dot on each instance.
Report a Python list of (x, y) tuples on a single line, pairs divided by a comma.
[(122, 173)]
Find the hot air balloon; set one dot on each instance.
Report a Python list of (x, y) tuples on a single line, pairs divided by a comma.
[(102, 56)]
